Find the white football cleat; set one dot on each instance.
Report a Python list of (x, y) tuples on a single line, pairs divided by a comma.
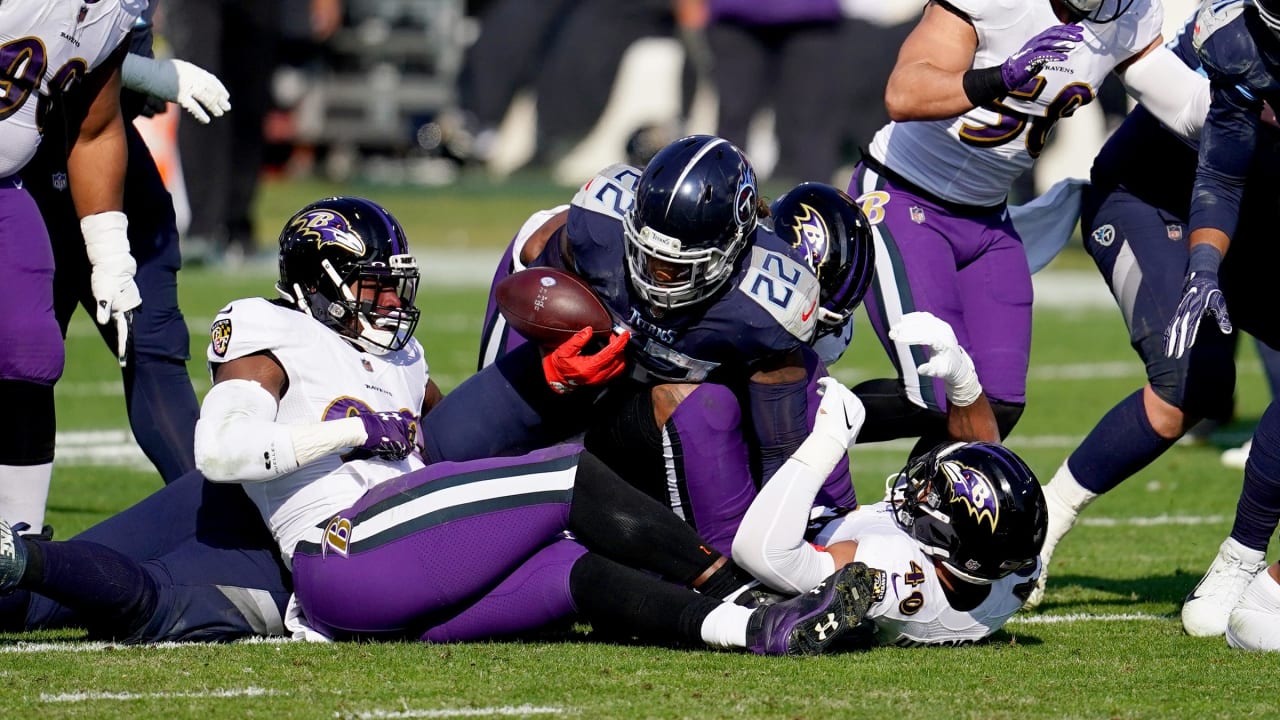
[(1255, 621), (1236, 457), (1065, 498), (1207, 609)]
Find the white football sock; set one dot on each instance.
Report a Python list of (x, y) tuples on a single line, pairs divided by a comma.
[(24, 491), (726, 626), (1255, 621)]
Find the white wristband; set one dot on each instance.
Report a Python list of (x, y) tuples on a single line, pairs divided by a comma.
[(106, 235)]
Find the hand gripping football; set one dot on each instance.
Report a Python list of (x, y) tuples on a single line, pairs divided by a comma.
[(549, 306)]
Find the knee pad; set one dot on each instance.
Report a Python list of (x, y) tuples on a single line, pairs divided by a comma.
[(714, 407), (1201, 384), (26, 438), (1007, 415)]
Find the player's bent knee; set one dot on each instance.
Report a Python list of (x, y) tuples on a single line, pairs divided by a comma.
[(713, 406)]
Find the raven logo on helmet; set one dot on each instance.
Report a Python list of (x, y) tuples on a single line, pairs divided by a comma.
[(329, 228), (812, 235), (973, 490)]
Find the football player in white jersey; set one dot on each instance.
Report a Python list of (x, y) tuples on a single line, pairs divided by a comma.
[(977, 88), (956, 541), (46, 49)]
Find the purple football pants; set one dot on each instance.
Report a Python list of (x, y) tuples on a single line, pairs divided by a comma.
[(967, 269), (452, 547), (29, 334)]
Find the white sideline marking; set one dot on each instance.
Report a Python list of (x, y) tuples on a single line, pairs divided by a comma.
[(507, 710), (91, 696), (1085, 617)]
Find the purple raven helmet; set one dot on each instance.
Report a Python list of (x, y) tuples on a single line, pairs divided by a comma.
[(975, 506), (828, 229), (331, 244)]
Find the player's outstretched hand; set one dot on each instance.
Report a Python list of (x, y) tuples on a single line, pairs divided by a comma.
[(391, 436), (840, 414), (1051, 45), (1200, 296), (567, 368), (947, 359), (197, 90), (200, 92)]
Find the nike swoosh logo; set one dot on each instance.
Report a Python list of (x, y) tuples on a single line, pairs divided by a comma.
[(848, 423), (804, 316)]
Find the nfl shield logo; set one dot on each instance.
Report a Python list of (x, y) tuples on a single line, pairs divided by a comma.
[(368, 366), (1174, 230), (59, 181), (917, 215)]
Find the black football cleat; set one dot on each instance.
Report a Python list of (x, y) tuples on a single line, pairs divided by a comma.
[(810, 624), (13, 558)]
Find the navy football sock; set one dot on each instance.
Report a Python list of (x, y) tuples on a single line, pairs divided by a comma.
[(112, 593), (1122, 443), (1258, 511)]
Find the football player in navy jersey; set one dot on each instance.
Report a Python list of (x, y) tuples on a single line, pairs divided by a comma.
[(1238, 44), (708, 297), (1135, 221)]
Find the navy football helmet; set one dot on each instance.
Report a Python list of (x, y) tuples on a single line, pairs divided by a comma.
[(829, 230), (339, 259), (975, 506), (694, 211), (1098, 11)]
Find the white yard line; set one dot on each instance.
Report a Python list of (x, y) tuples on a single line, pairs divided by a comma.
[(501, 711), (95, 696), (1085, 617)]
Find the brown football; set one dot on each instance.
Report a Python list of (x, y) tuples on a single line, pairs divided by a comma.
[(549, 306)]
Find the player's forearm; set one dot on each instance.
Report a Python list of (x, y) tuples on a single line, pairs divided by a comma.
[(770, 541), (921, 91), (1175, 94), (973, 422), (237, 438)]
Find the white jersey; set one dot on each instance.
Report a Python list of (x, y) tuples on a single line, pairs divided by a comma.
[(973, 159), (914, 609), (45, 47), (329, 379)]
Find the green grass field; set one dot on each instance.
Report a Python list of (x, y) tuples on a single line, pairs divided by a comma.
[(1106, 644)]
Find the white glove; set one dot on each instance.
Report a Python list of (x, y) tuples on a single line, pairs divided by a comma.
[(840, 414), (197, 90), (948, 360), (106, 242), (840, 417)]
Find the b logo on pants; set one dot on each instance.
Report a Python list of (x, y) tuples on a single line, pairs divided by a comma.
[(337, 537)]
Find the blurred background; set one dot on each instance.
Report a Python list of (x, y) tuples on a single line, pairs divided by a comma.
[(424, 99)]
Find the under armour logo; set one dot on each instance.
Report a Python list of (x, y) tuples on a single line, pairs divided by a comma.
[(831, 625)]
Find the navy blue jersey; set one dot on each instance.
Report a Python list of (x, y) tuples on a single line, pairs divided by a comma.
[(1158, 166), (1241, 57), (764, 311)]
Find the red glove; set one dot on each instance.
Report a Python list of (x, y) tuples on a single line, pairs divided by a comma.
[(566, 369)]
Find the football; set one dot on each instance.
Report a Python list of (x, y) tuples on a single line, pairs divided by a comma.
[(549, 306)]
